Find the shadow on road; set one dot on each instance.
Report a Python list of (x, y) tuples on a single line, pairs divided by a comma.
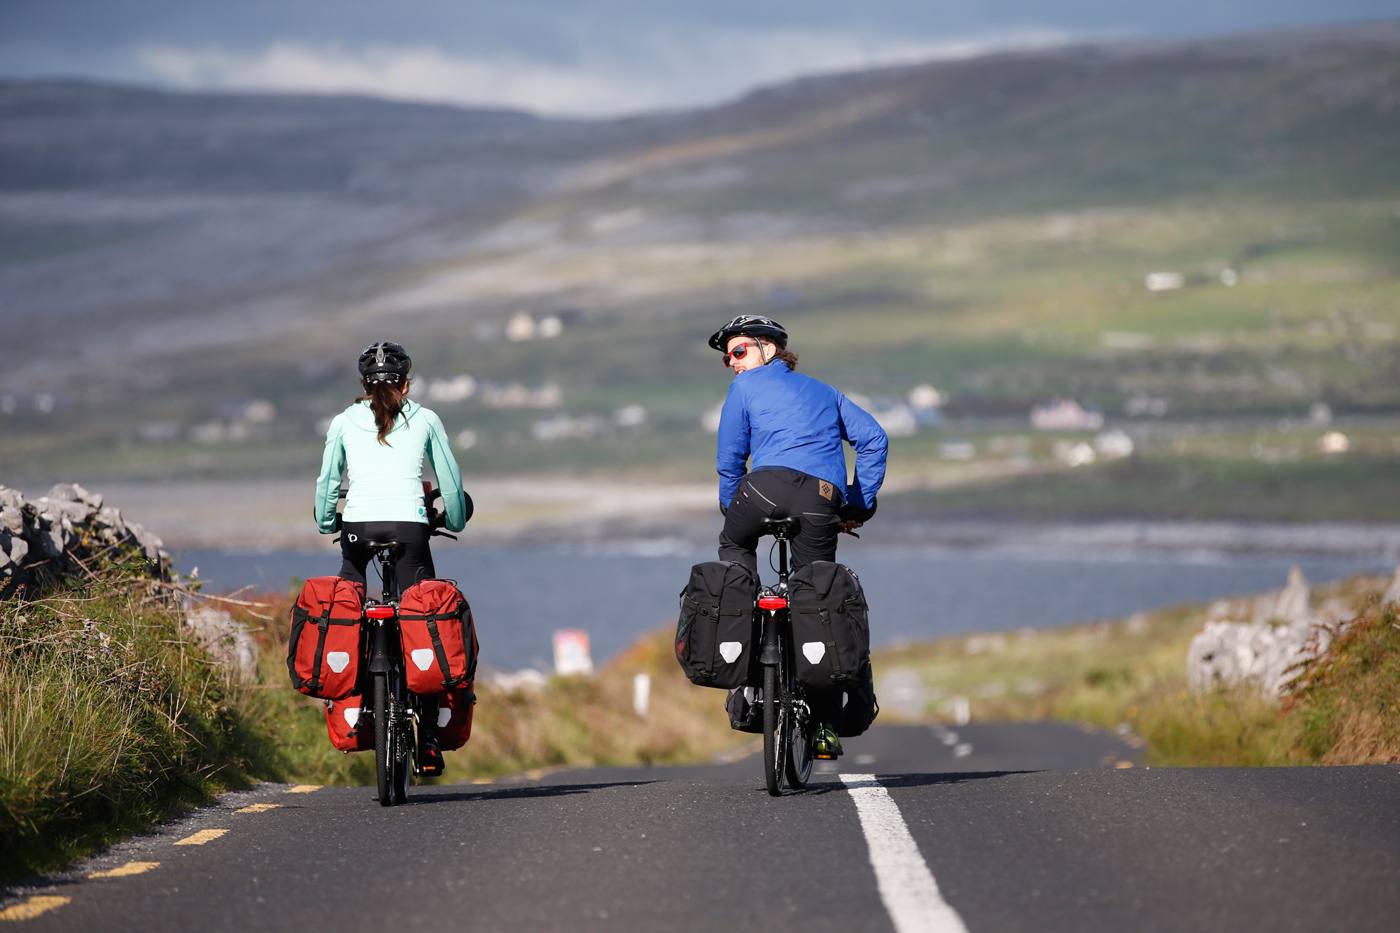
[(510, 793), (891, 781)]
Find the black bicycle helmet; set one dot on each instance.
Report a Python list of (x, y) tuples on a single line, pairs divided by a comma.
[(384, 361), (749, 325)]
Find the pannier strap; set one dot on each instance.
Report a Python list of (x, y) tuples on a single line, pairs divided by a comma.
[(448, 681)]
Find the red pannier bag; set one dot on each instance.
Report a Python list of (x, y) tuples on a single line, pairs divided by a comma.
[(343, 723), (323, 653), (454, 717), (438, 636)]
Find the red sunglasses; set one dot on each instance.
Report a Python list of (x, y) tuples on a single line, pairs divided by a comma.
[(739, 352)]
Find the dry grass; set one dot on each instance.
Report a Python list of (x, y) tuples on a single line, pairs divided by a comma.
[(1131, 676), (572, 721), (110, 715)]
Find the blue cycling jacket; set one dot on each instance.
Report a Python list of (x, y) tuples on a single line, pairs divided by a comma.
[(774, 417)]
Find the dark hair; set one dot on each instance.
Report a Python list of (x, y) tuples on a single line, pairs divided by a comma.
[(386, 401), (787, 356)]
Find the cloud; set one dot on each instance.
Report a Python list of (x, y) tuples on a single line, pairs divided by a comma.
[(657, 70)]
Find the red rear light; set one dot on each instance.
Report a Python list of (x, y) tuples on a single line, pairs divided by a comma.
[(379, 612), (772, 602)]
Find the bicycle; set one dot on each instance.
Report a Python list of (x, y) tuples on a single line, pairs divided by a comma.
[(789, 730), (395, 711)]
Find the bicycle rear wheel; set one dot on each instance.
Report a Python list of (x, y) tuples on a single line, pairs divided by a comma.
[(383, 736), (773, 744)]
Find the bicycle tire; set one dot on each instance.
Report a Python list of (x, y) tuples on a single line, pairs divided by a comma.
[(772, 741), (403, 737), (383, 757), (801, 752)]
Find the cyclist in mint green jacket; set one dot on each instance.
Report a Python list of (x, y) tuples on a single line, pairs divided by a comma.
[(378, 444)]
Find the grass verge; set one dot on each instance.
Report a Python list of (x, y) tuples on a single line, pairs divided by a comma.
[(1130, 675), (111, 717)]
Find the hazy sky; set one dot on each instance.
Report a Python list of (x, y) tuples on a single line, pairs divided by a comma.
[(574, 56)]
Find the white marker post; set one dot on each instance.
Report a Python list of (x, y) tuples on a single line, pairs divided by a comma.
[(641, 694)]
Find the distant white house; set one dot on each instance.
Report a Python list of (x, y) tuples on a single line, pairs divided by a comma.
[(521, 326), (1114, 445), (1334, 443), (1163, 281), (926, 398), (457, 388), (1074, 454), (1065, 414), (630, 416), (897, 420)]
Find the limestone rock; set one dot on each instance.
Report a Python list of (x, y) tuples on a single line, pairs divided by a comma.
[(225, 639), (1270, 650), (52, 537), (1392, 592)]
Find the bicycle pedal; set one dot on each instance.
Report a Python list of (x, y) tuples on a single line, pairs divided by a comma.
[(822, 756)]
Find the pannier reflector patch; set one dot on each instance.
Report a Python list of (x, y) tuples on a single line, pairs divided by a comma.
[(444, 716), (813, 651), (730, 651), (352, 715), (338, 660), (422, 658)]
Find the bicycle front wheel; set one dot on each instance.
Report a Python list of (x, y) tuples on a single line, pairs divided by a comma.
[(383, 735), (774, 745), (801, 748)]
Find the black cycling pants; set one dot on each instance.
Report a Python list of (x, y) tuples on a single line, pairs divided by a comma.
[(782, 493), (416, 562)]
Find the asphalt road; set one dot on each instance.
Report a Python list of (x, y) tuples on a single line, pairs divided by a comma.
[(987, 827)]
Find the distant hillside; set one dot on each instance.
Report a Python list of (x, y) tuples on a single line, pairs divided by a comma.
[(171, 256)]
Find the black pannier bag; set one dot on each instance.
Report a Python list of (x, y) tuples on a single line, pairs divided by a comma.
[(858, 705), (745, 708), (717, 635), (830, 624)]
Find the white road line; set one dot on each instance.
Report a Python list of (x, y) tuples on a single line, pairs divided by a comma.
[(903, 877)]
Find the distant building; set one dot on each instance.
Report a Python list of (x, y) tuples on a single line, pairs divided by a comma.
[(1065, 414), (1113, 445), (1163, 281)]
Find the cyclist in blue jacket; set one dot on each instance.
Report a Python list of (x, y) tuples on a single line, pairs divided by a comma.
[(781, 453)]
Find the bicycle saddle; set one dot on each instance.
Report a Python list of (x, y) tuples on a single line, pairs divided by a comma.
[(779, 527), (390, 544)]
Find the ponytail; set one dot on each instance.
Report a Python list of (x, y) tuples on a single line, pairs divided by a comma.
[(386, 400)]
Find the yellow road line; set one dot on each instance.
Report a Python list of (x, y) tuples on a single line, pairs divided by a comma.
[(258, 808), (201, 837), (36, 905), (123, 871), (303, 788), (1123, 764)]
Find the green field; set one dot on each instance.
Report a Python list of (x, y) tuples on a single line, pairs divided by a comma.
[(984, 227)]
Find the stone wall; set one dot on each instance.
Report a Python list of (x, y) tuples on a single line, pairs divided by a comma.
[(1267, 641), (55, 536), (66, 533)]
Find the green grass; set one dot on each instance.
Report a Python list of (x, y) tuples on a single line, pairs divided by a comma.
[(1131, 675), (1165, 487), (110, 718)]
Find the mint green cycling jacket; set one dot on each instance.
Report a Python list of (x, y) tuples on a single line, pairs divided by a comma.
[(386, 482)]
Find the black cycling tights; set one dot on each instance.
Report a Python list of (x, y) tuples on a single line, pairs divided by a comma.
[(416, 562)]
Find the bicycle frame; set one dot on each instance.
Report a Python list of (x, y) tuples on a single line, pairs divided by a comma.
[(396, 740), (787, 718)]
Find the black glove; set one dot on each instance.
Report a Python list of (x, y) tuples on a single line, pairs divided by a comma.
[(857, 512)]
